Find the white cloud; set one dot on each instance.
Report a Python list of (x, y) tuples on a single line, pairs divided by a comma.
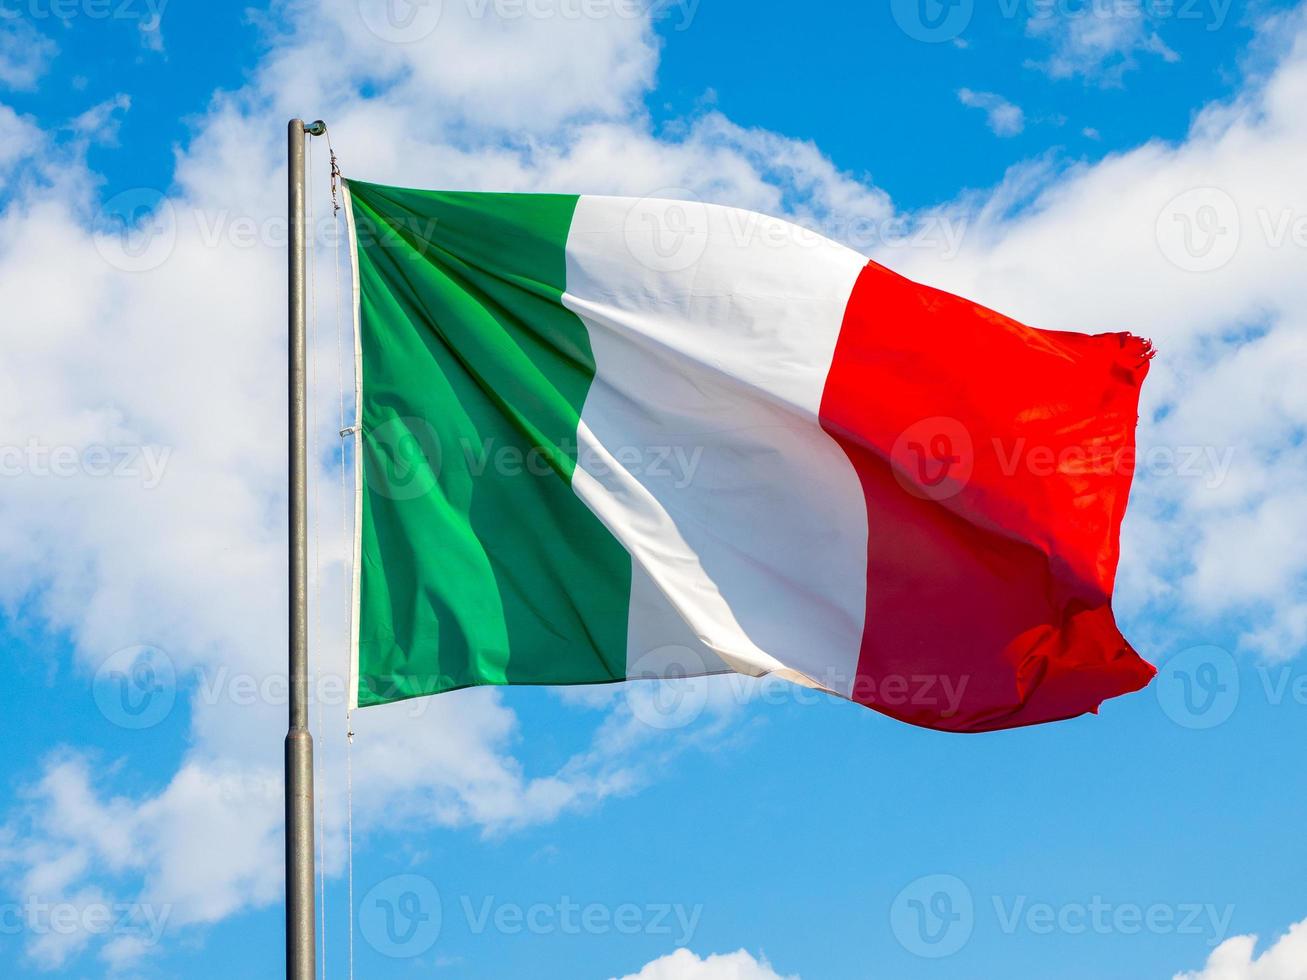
[(1235, 959), (101, 121), (684, 965), (549, 63), (25, 53), (20, 140), (151, 29), (1101, 41), (1004, 118)]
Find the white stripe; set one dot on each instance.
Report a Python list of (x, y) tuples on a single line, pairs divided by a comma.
[(674, 604), (357, 570), (713, 331)]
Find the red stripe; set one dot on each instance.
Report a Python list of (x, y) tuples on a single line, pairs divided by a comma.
[(996, 461)]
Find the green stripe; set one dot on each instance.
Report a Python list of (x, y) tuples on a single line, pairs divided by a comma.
[(479, 565)]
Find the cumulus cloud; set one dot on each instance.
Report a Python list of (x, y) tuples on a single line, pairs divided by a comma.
[(25, 53), (1103, 41), (101, 121), (1003, 117), (21, 138), (1236, 959), (684, 965)]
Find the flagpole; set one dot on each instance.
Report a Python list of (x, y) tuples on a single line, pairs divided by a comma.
[(300, 939)]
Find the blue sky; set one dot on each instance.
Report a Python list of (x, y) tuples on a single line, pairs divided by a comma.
[(1054, 160)]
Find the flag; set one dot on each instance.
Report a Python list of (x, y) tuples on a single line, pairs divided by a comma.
[(604, 438)]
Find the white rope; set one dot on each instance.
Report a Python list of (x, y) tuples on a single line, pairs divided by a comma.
[(349, 836), (317, 553), (349, 554)]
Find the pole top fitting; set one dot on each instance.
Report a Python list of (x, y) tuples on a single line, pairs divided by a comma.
[(316, 128)]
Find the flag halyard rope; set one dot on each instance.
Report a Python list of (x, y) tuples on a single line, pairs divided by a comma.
[(345, 431), (316, 509)]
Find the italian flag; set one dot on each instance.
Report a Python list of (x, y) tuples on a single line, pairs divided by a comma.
[(604, 438)]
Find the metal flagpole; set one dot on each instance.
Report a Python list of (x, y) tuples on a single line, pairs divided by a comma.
[(300, 938)]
